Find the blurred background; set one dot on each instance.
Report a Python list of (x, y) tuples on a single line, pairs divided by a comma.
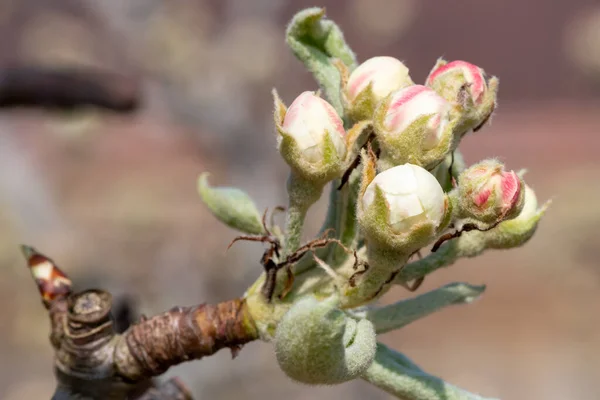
[(113, 198)]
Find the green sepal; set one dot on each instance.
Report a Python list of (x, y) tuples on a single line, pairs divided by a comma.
[(363, 105), (231, 206), (375, 223)]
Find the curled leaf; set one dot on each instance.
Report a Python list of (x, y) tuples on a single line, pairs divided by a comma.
[(317, 41), (231, 206)]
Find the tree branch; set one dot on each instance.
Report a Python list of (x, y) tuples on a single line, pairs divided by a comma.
[(67, 88), (93, 361)]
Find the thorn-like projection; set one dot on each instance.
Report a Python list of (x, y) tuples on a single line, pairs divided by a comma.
[(357, 274), (235, 351), (278, 209), (272, 265), (453, 180), (416, 284), (453, 235), (356, 162), (485, 120), (50, 280)]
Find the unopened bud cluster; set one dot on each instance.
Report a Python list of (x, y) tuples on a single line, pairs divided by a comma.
[(399, 187)]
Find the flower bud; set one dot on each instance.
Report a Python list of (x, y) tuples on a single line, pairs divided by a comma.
[(317, 343), (412, 196), (382, 74), (308, 120), (312, 136), (400, 211), (464, 84), (489, 194), (415, 125)]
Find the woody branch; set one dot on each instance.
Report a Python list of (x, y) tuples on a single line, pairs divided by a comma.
[(93, 361)]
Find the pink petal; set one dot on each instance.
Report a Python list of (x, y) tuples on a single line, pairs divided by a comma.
[(511, 188), (472, 74), (482, 197)]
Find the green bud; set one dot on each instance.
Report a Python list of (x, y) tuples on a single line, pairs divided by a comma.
[(318, 344), (231, 206)]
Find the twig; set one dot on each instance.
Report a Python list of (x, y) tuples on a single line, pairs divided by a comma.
[(67, 88), (93, 361)]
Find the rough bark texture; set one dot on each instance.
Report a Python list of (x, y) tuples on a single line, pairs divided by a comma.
[(93, 361), (182, 334)]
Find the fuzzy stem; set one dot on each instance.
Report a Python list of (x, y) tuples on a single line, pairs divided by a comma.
[(302, 194), (400, 377), (294, 225), (307, 262)]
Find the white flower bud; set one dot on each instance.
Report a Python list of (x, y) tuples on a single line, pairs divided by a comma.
[(413, 196), (385, 74), (308, 119)]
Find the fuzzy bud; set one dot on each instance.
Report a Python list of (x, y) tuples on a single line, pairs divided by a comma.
[(371, 82), (402, 208), (317, 343), (464, 84), (311, 137), (415, 125), (489, 194), (400, 211), (412, 196)]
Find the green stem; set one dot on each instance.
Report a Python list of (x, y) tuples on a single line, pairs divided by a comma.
[(347, 224), (302, 194), (397, 375), (293, 228)]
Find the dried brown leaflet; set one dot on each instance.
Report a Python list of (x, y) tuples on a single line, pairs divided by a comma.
[(356, 162), (453, 235)]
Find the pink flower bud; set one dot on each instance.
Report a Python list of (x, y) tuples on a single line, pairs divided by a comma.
[(385, 74), (461, 73), (307, 120), (490, 194), (411, 104)]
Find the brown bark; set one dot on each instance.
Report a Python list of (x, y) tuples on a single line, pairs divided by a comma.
[(182, 334), (93, 361)]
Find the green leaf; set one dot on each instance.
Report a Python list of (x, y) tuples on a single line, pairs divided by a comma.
[(316, 41), (397, 375), (231, 206), (402, 313)]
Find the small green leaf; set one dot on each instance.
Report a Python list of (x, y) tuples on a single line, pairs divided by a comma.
[(399, 376), (402, 313), (316, 41), (231, 206)]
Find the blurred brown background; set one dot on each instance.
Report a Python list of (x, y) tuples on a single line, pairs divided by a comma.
[(112, 198)]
